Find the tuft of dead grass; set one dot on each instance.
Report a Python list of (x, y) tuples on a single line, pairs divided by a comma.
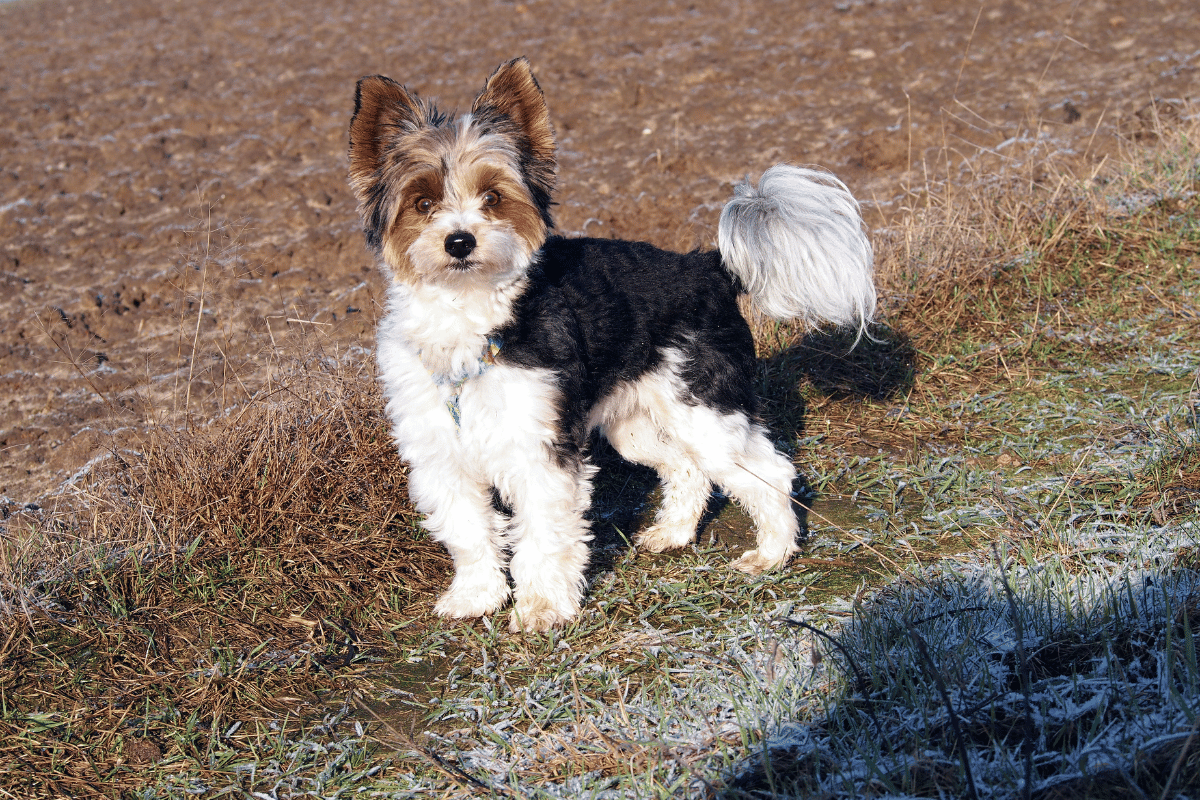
[(214, 576), (964, 281)]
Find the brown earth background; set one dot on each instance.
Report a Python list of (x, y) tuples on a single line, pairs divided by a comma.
[(174, 216)]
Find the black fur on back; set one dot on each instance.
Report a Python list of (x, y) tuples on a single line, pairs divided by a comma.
[(599, 312)]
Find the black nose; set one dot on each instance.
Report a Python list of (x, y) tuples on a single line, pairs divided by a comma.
[(460, 244)]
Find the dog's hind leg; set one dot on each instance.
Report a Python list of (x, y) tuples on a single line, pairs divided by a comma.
[(685, 488), (759, 479), (692, 446), (719, 447)]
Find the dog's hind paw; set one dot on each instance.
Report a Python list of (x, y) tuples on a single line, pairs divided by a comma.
[(478, 598), (753, 562), (660, 538)]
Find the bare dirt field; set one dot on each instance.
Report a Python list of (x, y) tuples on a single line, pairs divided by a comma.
[(174, 215)]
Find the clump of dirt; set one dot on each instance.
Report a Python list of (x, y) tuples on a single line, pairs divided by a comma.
[(174, 214)]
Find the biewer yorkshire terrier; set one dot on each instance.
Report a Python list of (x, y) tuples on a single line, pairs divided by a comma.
[(504, 346)]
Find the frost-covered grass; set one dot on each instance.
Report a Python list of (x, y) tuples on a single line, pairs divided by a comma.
[(1024, 674)]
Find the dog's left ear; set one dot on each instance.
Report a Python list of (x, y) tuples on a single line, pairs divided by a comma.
[(513, 92)]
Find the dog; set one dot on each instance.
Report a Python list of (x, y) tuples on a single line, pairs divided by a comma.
[(504, 346)]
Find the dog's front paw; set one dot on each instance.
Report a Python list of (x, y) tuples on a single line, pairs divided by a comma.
[(473, 596), (753, 562), (537, 614), (660, 538)]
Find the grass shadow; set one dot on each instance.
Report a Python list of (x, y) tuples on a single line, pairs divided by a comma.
[(943, 667), (838, 365)]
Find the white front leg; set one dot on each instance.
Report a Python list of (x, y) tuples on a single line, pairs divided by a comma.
[(445, 483), (510, 421)]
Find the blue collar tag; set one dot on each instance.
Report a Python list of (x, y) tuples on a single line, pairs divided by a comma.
[(487, 360)]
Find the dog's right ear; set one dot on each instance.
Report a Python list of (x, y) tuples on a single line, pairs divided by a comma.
[(513, 94), (383, 109)]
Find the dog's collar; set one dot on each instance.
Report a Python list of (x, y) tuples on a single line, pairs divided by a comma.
[(485, 361)]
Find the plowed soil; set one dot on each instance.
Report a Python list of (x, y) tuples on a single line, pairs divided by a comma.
[(174, 215)]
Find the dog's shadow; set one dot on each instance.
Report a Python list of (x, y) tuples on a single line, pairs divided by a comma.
[(624, 496), (837, 364)]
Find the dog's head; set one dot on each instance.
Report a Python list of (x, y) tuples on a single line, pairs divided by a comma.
[(444, 199)]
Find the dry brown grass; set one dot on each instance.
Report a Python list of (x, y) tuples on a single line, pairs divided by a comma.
[(971, 282), (947, 266), (211, 573)]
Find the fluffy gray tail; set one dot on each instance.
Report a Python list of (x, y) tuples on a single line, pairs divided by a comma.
[(798, 245)]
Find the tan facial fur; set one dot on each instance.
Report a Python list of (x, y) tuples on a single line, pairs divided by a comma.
[(466, 183), (421, 176)]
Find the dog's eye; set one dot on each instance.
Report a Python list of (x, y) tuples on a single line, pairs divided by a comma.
[(491, 199), (424, 205)]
